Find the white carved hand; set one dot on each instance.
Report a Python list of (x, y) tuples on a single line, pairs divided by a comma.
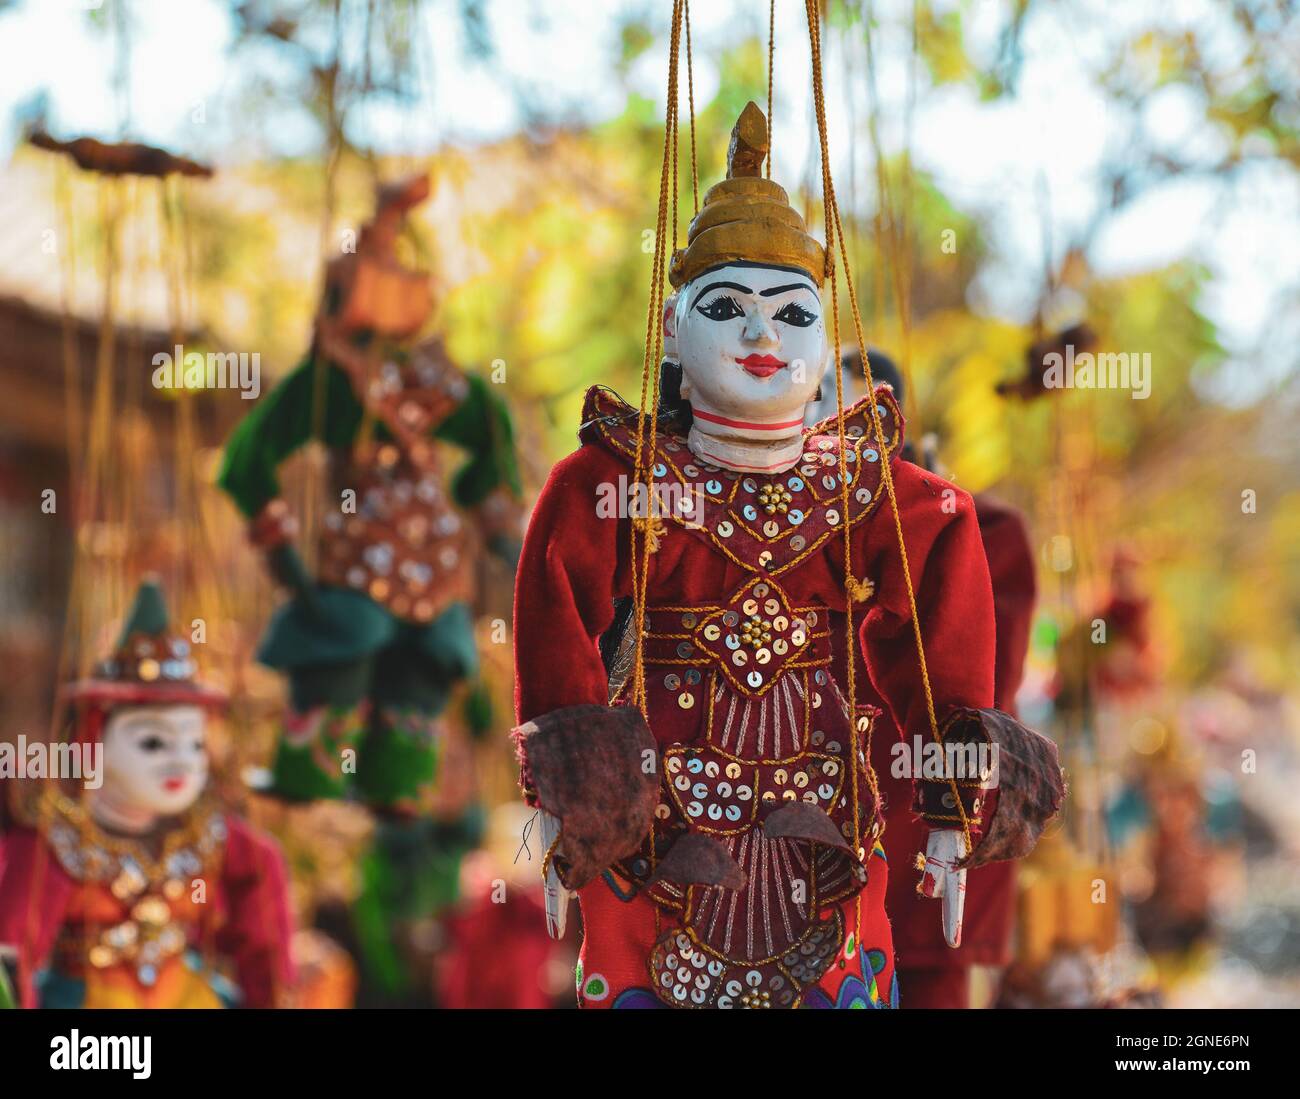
[(557, 897), (942, 879)]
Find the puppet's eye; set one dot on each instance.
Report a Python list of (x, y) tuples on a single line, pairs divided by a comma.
[(723, 308), (796, 315), (152, 743)]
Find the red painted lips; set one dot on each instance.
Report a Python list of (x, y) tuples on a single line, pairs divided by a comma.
[(761, 366)]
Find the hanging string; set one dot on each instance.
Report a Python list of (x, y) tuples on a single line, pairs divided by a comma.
[(891, 241), (334, 152), (904, 256), (850, 101), (100, 514), (857, 756), (671, 121), (102, 478), (643, 465), (71, 641), (690, 94), (771, 54), (71, 360), (647, 421), (835, 235)]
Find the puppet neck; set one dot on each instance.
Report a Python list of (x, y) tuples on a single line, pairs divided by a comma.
[(119, 815), (744, 446)]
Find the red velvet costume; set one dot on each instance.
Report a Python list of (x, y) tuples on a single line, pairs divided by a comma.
[(775, 727), (931, 973)]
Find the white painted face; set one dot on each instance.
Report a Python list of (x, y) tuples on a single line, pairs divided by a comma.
[(156, 757), (751, 341)]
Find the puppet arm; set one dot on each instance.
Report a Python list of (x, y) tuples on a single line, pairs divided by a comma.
[(257, 930), (984, 750), (34, 894), (488, 481), (276, 427), (593, 769)]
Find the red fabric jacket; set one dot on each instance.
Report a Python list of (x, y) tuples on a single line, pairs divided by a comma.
[(575, 564), (990, 896)]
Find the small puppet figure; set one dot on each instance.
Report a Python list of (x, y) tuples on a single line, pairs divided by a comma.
[(375, 643), (724, 845), (1126, 667), (126, 895)]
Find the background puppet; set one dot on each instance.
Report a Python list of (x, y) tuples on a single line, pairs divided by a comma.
[(751, 875), (375, 643), (128, 895)]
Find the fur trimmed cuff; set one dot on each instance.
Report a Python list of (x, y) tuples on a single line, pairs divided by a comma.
[(1029, 786), (597, 769)]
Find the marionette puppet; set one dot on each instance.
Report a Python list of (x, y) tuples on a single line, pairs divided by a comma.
[(374, 644), (724, 840), (141, 891)]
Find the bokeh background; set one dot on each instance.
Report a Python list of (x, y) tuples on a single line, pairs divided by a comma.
[(1009, 170)]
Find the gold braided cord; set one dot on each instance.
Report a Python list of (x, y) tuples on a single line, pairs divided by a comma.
[(850, 661), (674, 139), (771, 53), (690, 93), (643, 466), (834, 228)]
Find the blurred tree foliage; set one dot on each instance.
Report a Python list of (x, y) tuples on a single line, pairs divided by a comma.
[(544, 241)]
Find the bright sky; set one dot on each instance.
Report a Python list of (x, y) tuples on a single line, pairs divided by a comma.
[(998, 160)]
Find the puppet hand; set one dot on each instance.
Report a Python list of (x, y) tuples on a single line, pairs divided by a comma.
[(557, 897), (273, 526), (942, 878)]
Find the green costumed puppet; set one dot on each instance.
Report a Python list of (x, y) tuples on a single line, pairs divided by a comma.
[(374, 643)]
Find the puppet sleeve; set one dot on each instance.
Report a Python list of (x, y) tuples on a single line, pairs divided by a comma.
[(1011, 569), (34, 895), (278, 425), (581, 761), (481, 425), (954, 604), (257, 929), (570, 573), (1009, 805)]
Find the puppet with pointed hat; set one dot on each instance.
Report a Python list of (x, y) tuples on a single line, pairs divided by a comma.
[(725, 846), (124, 888)]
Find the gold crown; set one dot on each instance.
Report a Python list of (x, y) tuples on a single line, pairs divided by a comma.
[(746, 218)]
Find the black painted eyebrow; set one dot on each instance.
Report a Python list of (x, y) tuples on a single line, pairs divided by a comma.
[(721, 286), (784, 289)]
